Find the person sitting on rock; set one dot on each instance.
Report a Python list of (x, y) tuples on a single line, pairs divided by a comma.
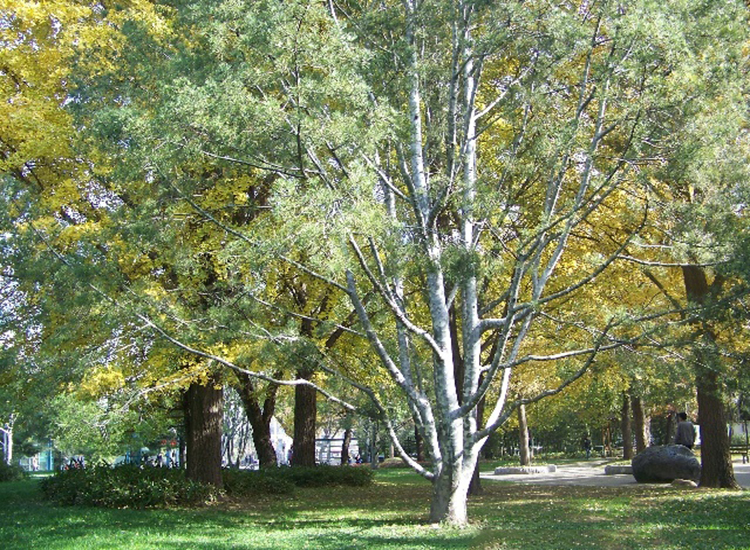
[(685, 431)]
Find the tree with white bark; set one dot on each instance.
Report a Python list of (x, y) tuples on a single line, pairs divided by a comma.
[(515, 136)]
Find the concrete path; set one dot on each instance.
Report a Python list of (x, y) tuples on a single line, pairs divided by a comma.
[(591, 474)]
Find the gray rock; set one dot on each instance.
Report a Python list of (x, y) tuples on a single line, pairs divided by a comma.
[(665, 463)]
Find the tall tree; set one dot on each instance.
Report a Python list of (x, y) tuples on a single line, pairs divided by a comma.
[(716, 461)]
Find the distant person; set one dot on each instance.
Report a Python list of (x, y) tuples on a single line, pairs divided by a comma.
[(685, 435)]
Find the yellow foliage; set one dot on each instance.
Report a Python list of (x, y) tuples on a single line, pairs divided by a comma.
[(102, 380)]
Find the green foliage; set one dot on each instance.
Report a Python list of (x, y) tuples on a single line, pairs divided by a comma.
[(244, 483), (282, 481), (125, 487), (11, 473)]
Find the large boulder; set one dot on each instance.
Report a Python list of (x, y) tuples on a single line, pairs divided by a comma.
[(665, 463)]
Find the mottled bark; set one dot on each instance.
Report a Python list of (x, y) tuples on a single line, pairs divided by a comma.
[(640, 424)]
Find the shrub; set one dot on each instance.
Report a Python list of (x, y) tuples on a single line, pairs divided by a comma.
[(256, 482), (11, 473), (125, 487), (283, 480)]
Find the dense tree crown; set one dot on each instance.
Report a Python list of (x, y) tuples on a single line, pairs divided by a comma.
[(453, 208)]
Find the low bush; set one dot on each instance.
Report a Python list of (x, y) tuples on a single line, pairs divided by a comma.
[(283, 480), (11, 473), (256, 482), (125, 487)]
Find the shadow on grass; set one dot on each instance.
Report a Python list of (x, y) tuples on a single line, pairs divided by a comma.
[(319, 519), (392, 514)]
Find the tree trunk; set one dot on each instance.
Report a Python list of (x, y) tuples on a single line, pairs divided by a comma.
[(523, 437), (459, 369), (716, 461), (419, 442), (373, 444), (669, 429), (627, 429), (449, 499), (451, 488), (8, 438), (203, 423), (345, 446), (475, 488), (305, 411), (260, 419), (642, 432)]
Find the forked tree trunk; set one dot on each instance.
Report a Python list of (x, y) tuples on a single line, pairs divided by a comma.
[(640, 423), (627, 428), (259, 418), (203, 422), (451, 489), (305, 411)]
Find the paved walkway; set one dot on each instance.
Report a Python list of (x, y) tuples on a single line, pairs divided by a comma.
[(591, 474)]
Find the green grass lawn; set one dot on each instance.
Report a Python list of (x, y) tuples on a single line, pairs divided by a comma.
[(391, 514)]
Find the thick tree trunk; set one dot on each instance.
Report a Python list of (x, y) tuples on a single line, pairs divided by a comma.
[(260, 419), (451, 488), (523, 437), (642, 432), (716, 461), (203, 423), (449, 500), (305, 412), (627, 428)]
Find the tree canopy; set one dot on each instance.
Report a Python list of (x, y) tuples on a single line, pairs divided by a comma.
[(476, 202)]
